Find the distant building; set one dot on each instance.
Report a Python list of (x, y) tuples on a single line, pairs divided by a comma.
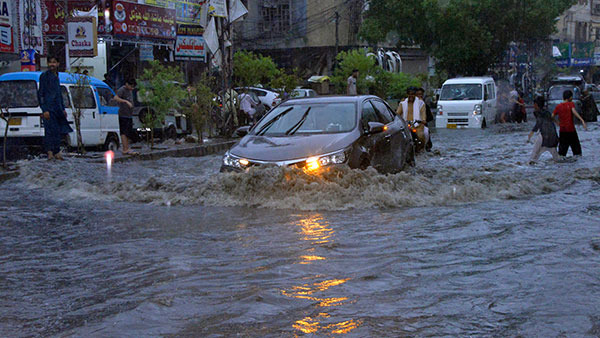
[(302, 33)]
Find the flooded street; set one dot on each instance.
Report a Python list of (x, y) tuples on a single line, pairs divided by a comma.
[(473, 241)]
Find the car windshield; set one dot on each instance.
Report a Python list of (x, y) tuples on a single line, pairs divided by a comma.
[(309, 118), (19, 94), (556, 93), (451, 92)]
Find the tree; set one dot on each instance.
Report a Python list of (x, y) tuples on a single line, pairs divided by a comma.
[(79, 91), (160, 88), (285, 82), (465, 36), (5, 115), (347, 62), (251, 69), (199, 103)]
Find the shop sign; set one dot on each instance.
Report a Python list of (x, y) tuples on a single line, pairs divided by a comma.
[(195, 30), (146, 53), (562, 54), (28, 60), (7, 29), (144, 21), (54, 14), (189, 48), (582, 54), (31, 25), (82, 37), (189, 12), (217, 8)]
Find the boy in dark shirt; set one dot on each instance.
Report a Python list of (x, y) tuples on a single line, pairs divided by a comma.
[(547, 140)]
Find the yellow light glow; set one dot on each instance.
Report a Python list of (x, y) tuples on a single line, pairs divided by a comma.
[(312, 163), (244, 162), (385, 128)]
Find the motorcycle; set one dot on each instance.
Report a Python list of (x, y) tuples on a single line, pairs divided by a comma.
[(413, 126)]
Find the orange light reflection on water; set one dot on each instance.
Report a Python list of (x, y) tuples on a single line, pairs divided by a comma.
[(316, 230)]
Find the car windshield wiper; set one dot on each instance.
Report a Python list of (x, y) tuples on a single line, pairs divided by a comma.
[(267, 125), (298, 124)]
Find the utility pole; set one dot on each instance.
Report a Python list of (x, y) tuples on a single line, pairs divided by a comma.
[(67, 59), (337, 37)]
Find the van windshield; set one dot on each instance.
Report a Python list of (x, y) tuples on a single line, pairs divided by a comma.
[(556, 93), (18, 94), (463, 91)]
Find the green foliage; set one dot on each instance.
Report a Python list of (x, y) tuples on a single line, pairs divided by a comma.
[(348, 61), (78, 93), (372, 79), (285, 82), (199, 103), (250, 69), (160, 88), (465, 36)]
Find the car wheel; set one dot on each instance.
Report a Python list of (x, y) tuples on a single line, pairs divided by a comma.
[(112, 143), (364, 163)]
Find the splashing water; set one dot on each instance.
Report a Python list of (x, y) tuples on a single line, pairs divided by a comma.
[(109, 155)]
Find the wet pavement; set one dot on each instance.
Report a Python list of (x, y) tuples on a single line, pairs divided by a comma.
[(473, 241)]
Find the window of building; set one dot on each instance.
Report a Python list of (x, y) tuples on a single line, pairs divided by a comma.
[(276, 17)]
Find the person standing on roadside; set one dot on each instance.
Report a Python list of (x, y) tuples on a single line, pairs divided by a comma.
[(53, 110), (589, 110), (568, 135), (548, 139), (352, 83), (124, 98)]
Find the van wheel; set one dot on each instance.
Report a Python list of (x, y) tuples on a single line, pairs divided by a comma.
[(112, 143), (483, 124)]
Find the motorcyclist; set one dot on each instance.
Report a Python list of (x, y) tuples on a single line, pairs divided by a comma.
[(421, 95), (413, 109)]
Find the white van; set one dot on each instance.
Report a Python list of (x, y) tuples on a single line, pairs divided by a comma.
[(99, 122), (468, 102)]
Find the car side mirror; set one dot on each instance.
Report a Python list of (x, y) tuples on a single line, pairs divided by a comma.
[(376, 127), (242, 131)]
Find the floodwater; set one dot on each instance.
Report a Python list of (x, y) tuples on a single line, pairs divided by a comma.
[(472, 242)]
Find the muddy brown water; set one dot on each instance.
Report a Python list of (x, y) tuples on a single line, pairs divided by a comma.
[(472, 242)]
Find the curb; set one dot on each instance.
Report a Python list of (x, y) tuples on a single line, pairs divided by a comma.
[(196, 151), (5, 176)]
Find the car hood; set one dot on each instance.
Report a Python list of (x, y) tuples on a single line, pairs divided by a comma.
[(458, 105), (286, 148)]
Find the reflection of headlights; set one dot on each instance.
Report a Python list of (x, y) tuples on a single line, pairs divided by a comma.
[(316, 162), (232, 161)]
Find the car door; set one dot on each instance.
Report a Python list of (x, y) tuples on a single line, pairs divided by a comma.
[(374, 145), (490, 105), (396, 139), (109, 111), (85, 100)]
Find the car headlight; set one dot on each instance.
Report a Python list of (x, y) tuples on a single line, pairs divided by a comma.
[(314, 163), (477, 109), (440, 110), (236, 162)]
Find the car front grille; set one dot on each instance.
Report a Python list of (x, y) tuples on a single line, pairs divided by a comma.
[(458, 114), (458, 121)]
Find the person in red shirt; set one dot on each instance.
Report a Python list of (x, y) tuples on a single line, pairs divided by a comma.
[(568, 135)]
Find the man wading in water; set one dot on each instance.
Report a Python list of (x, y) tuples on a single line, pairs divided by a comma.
[(53, 110), (568, 135)]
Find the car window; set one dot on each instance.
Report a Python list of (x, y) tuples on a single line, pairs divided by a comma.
[(83, 97), (368, 115), (65, 97), (385, 114), (106, 97), (19, 93), (260, 92)]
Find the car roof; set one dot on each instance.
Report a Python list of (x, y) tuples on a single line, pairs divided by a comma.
[(460, 80), (329, 99), (35, 76)]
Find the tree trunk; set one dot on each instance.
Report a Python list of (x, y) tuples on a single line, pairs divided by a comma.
[(77, 117)]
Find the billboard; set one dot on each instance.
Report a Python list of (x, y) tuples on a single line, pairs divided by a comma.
[(82, 37), (54, 14), (582, 54), (7, 26), (30, 25), (144, 21)]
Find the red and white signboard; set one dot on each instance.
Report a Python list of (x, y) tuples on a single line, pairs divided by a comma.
[(7, 29), (131, 19), (82, 37), (189, 48)]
